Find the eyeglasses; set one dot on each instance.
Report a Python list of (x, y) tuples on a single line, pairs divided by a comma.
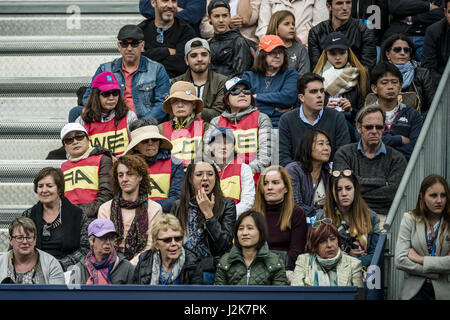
[(170, 239), (160, 36), (398, 49), (371, 126), (147, 140), (78, 137), (345, 173), (106, 94), (21, 238), (317, 223), (134, 43), (238, 91), (46, 235)]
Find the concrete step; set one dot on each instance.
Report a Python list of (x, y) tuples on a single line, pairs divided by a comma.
[(24, 171), (38, 108), (8, 213), (21, 128), (27, 149), (48, 86), (17, 194)]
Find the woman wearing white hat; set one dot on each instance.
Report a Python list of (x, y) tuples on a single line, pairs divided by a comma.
[(186, 129), (166, 172), (86, 172)]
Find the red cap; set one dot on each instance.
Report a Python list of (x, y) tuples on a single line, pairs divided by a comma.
[(270, 42), (105, 81)]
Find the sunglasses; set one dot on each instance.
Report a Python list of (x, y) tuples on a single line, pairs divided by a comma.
[(345, 173), (106, 94), (134, 43), (317, 223), (238, 91), (46, 232), (170, 239), (398, 49), (147, 140), (69, 140), (371, 126)]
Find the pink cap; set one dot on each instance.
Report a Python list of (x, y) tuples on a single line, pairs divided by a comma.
[(105, 81)]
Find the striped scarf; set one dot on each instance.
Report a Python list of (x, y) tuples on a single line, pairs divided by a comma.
[(339, 81), (136, 239), (100, 273)]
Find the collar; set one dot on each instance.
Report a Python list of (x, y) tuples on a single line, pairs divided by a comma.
[(117, 65), (305, 120), (381, 149), (186, 123)]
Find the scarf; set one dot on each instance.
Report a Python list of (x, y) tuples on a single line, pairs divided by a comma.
[(176, 269), (407, 71), (339, 81), (324, 270), (100, 273), (186, 123), (84, 156), (196, 236), (136, 239)]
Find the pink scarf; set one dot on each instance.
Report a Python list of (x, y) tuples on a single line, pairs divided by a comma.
[(100, 273)]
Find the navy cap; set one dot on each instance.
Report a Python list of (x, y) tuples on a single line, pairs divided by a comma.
[(336, 40), (217, 4), (221, 131)]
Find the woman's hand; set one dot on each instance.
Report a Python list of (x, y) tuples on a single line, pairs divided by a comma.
[(415, 257), (206, 206), (357, 252), (333, 103), (345, 104)]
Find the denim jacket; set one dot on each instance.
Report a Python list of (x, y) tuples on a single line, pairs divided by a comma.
[(150, 84)]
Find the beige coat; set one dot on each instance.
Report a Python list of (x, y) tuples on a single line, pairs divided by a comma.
[(437, 268), (349, 271), (154, 210), (308, 13)]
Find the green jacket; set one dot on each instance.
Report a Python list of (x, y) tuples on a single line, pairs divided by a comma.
[(266, 269)]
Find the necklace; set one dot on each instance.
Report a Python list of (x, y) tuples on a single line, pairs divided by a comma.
[(268, 82)]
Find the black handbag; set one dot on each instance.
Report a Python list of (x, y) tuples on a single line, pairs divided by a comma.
[(288, 264)]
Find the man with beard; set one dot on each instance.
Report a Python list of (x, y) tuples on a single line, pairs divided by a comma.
[(165, 36), (209, 85)]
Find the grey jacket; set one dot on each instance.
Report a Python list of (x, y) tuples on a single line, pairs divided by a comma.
[(437, 268), (53, 273)]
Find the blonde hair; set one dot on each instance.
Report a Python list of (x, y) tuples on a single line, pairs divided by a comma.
[(288, 202), (163, 223), (276, 20), (354, 62)]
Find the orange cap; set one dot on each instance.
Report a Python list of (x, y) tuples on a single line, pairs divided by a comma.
[(270, 42)]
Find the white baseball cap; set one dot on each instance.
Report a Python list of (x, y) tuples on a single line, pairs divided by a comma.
[(72, 126)]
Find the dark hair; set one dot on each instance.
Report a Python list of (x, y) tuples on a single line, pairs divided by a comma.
[(306, 78), (389, 42), (261, 225), (382, 69), (57, 175), (226, 102), (316, 235), (136, 124), (303, 153), (260, 65), (92, 111), (135, 164), (188, 192)]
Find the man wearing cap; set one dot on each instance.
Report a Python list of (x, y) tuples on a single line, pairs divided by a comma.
[(236, 178), (208, 84), (166, 35), (165, 171), (102, 265), (144, 83), (86, 172), (361, 39), (231, 53), (185, 131)]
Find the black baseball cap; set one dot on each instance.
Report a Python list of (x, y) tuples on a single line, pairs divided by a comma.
[(217, 4), (335, 40), (130, 31)]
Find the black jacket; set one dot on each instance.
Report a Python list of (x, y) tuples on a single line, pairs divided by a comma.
[(231, 53), (361, 9), (423, 85), (436, 49), (219, 237), (191, 272), (361, 39)]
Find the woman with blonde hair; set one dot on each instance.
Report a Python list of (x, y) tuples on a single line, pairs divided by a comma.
[(282, 24), (423, 243), (286, 222)]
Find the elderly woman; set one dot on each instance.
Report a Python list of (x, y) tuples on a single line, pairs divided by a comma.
[(325, 264), (24, 263), (251, 127), (168, 262), (399, 50), (165, 171), (105, 116), (86, 172), (61, 226), (186, 129), (285, 220), (309, 171), (250, 250), (423, 248), (102, 265)]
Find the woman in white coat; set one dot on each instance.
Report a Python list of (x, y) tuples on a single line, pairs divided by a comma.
[(423, 244)]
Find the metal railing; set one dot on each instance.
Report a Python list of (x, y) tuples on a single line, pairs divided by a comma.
[(431, 155)]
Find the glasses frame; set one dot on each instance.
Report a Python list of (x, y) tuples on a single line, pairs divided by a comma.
[(370, 127), (106, 94), (398, 49), (345, 173), (170, 239), (20, 238), (79, 137), (237, 91), (317, 223), (46, 234), (134, 43)]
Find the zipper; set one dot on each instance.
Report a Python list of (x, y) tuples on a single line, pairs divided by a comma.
[(248, 274)]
